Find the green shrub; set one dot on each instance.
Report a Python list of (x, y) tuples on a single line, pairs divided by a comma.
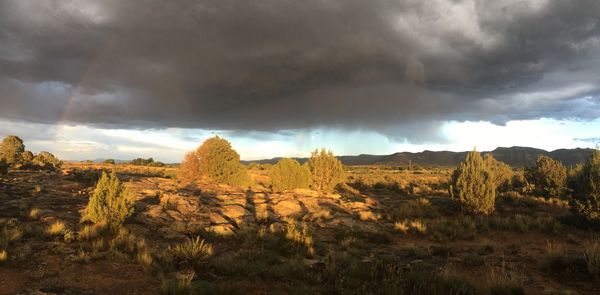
[(109, 161), (326, 170), (110, 202), (472, 184), (218, 161), (47, 161), (549, 176), (11, 150), (502, 174), (586, 190), (288, 174)]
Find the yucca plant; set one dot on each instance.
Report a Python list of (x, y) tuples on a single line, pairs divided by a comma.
[(193, 251)]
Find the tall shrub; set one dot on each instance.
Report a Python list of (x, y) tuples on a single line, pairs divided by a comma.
[(218, 161), (502, 173), (110, 202), (326, 170), (472, 184), (47, 160), (586, 190), (549, 176), (288, 174)]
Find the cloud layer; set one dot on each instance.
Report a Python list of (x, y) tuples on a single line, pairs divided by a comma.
[(400, 68)]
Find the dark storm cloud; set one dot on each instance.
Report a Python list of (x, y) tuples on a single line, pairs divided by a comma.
[(281, 65)]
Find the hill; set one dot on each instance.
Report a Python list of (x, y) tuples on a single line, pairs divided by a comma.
[(514, 156)]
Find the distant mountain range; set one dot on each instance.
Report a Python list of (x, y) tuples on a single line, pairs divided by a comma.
[(513, 156)]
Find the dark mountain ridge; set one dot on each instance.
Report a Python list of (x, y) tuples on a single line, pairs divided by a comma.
[(514, 156)]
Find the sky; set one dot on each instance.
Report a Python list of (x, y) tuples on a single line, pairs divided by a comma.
[(89, 79)]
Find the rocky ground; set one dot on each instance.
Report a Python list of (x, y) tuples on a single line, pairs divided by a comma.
[(340, 242)]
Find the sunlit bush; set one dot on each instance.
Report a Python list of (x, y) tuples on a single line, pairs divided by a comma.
[(288, 174)]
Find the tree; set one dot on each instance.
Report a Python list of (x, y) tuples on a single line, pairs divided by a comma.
[(288, 174), (110, 202), (326, 170), (218, 161), (46, 160), (549, 176), (502, 173), (11, 150), (109, 161), (27, 156), (472, 184), (586, 190)]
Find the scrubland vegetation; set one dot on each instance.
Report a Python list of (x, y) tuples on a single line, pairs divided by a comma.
[(215, 226)]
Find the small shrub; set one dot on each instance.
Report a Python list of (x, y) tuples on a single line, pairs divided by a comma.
[(473, 185), (110, 202), (549, 176), (56, 228), (288, 174), (326, 170), (193, 251)]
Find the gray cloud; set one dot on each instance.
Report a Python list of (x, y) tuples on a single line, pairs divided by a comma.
[(281, 65)]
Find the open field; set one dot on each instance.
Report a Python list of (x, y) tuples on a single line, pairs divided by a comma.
[(384, 231)]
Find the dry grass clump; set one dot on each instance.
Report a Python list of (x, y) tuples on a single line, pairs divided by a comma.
[(592, 257), (505, 280), (402, 226), (368, 216), (406, 226), (300, 234), (3, 255), (56, 228), (193, 251), (9, 235), (34, 213), (144, 258), (182, 284), (89, 232)]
